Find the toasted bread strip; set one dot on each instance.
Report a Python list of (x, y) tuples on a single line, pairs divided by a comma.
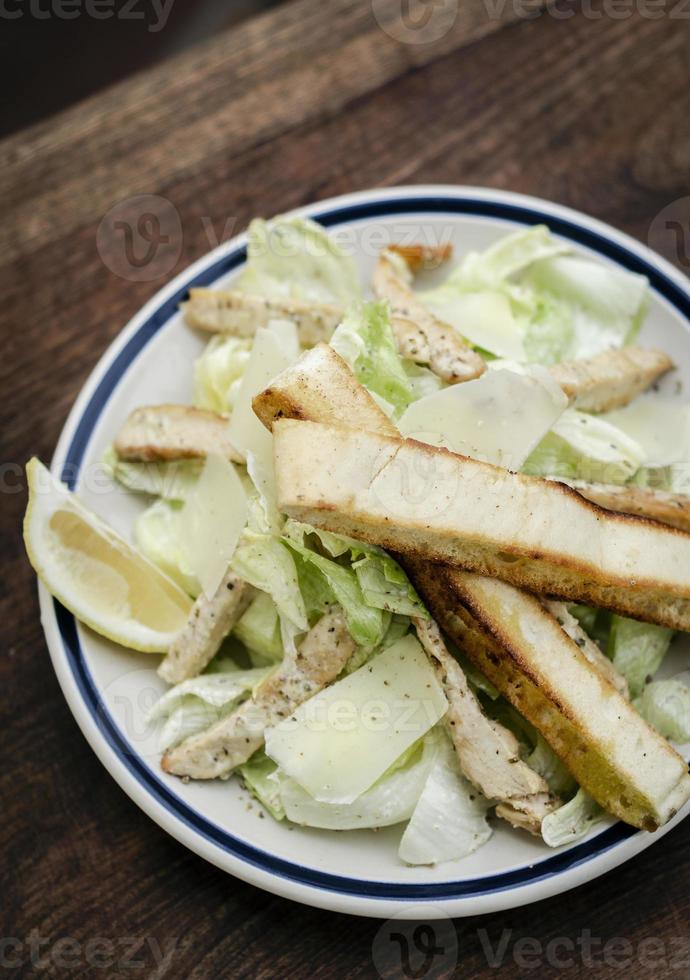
[(488, 753), (613, 753), (428, 502), (165, 432), (322, 654), (321, 387), (479, 633), (611, 379), (591, 650), (657, 505), (432, 342), (209, 623), (232, 311)]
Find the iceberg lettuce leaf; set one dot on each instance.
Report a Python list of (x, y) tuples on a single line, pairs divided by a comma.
[(637, 650), (218, 372), (260, 775), (585, 447), (158, 534), (572, 821), (666, 705), (296, 258), (173, 480), (449, 820), (365, 340)]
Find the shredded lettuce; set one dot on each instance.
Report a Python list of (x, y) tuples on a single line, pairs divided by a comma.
[(544, 760), (296, 258), (173, 480), (383, 582), (526, 298), (585, 447), (366, 624), (661, 426), (267, 564), (196, 704), (261, 779), (606, 303), (157, 533), (218, 372), (449, 820), (365, 340), (259, 629), (637, 650), (666, 705), (572, 821)]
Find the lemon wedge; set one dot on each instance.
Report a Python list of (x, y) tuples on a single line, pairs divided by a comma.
[(95, 573)]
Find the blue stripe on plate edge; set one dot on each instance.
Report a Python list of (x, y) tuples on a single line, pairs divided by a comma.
[(547, 868)]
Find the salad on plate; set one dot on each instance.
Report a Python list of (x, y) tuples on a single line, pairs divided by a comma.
[(410, 560)]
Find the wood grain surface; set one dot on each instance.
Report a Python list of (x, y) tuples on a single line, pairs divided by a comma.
[(585, 107)]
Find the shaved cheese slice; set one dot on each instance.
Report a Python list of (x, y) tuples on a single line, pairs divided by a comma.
[(659, 425), (274, 349), (484, 318), (337, 744), (212, 521), (498, 418)]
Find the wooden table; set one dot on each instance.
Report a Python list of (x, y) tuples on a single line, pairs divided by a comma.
[(310, 100)]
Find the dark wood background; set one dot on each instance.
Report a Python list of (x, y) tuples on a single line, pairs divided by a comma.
[(309, 100)]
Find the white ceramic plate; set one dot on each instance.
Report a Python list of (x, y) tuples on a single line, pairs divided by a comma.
[(109, 689)]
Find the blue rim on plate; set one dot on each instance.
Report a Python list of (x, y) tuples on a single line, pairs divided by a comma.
[(405, 205)]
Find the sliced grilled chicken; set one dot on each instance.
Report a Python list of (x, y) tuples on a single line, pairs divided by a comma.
[(209, 623), (528, 814), (165, 432), (591, 650), (232, 311), (611, 379), (420, 257), (231, 741), (488, 753), (657, 505), (420, 335)]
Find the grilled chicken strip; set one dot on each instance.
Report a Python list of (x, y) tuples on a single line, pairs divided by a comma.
[(232, 311), (611, 379), (165, 432), (420, 257), (321, 656), (209, 623), (488, 753), (420, 336), (583, 640), (657, 505)]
